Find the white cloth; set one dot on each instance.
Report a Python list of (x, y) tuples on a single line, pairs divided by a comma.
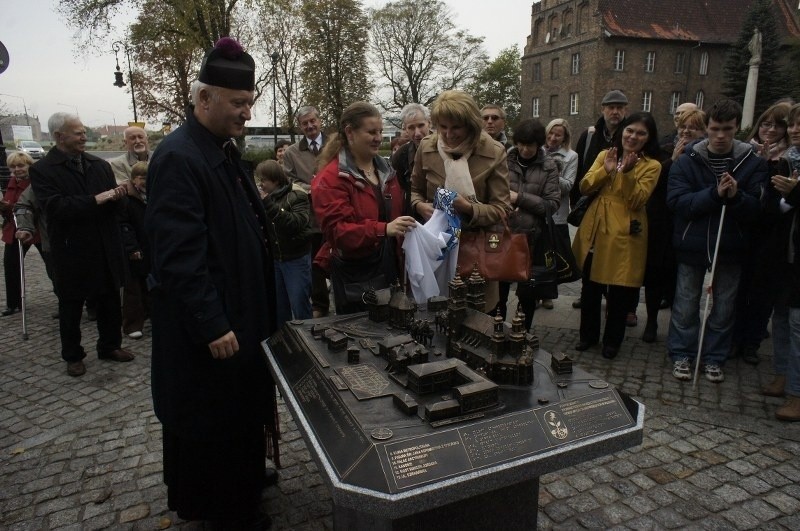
[(429, 264)]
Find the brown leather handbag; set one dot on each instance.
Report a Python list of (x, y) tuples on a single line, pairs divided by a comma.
[(499, 254)]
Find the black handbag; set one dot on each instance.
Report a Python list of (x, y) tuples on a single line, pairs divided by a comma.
[(551, 264), (350, 279), (579, 210)]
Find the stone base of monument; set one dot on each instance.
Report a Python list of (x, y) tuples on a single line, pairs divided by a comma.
[(389, 466), (518, 504)]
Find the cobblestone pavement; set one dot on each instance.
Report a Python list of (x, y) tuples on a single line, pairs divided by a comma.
[(85, 453)]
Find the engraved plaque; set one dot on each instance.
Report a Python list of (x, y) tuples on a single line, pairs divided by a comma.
[(416, 461)]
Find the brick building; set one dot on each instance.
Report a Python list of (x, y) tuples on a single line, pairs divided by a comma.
[(659, 53)]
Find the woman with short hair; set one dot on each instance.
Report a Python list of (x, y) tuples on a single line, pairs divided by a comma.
[(19, 163), (463, 158)]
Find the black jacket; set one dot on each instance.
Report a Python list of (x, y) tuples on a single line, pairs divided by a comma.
[(288, 210), (587, 155), (211, 273), (85, 239)]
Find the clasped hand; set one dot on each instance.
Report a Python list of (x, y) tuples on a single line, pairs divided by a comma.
[(612, 161), (111, 195), (727, 186)]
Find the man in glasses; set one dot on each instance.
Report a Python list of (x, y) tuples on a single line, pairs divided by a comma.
[(494, 123)]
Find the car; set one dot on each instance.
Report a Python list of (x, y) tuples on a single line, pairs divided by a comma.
[(34, 149)]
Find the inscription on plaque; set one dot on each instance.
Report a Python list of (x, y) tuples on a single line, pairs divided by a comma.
[(332, 422), (421, 460), (365, 381), (505, 438), (584, 417)]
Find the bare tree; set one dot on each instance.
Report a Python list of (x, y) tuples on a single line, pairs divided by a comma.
[(419, 52), (280, 31)]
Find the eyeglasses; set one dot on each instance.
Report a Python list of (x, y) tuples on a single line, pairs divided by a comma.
[(771, 125), (493, 117), (687, 128)]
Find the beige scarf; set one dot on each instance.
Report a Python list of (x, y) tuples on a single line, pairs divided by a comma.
[(456, 171)]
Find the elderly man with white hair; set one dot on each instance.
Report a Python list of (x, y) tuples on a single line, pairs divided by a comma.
[(138, 150)]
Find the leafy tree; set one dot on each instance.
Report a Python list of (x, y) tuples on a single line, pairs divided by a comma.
[(774, 82), (499, 81), (334, 68), (418, 52)]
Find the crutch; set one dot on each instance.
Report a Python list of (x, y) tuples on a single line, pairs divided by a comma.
[(21, 247), (708, 297)]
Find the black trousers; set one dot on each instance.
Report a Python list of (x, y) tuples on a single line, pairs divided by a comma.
[(320, 297), (12, 272), (619, 300), (109, 324)]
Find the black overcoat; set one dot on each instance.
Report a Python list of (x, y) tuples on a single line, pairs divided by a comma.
[(210, 273), (85, 238)]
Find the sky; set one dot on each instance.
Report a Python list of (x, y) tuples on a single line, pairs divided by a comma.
[(48, 73)]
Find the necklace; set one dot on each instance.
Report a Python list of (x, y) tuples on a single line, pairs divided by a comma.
[(369, 173)]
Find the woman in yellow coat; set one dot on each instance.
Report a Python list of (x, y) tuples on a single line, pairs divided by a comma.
[(611, 243)]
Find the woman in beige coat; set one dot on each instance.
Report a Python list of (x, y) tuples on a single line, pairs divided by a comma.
[(461, 157), (611, 243)]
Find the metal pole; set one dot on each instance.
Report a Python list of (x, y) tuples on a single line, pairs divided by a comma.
[(22, 282), (130, 77), (275, 58)]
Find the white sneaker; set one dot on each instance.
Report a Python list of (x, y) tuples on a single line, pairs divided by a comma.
[(135, 335), (714, 373), (682, 370)]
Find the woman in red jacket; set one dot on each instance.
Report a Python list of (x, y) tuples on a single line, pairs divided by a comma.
[(357, 199), (18, 163)]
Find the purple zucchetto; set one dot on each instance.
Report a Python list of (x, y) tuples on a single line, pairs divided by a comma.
[(227, 65)]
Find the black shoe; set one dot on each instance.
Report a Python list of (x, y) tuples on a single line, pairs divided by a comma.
[(664, 304), (585, 345), (749, 354), (576, 303), (9, 311), (610, 352), (649, 334), (271, 477)]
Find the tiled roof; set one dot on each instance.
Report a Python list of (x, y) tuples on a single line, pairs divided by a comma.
[(709, 21)]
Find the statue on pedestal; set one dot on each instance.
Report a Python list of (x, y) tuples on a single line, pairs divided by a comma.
[(755, 48)]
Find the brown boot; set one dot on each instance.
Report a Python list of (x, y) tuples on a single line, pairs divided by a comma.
[(776, 388), (789, 411)]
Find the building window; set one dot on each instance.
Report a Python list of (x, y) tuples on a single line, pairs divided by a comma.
[(537, 72), (619, 60), (647, 98), (554, 105), (679, 59), (573, 103), (535, 108), (554, 69), (700, 99), (704, 63), (650, 64), (576, 63), (674, 101)]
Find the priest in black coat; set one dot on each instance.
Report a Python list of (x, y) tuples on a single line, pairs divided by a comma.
[(213, 297), (81, 200)]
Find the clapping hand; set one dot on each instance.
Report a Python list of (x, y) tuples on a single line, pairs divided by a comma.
[(783, 184), (727, 186)]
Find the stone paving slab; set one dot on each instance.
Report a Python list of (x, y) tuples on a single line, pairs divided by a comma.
[(85, 453)]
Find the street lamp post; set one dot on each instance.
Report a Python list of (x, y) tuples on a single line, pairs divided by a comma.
[(25, 107), (118, 82), (275, 58)]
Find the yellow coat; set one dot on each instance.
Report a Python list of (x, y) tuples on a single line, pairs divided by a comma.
[(619, 257)]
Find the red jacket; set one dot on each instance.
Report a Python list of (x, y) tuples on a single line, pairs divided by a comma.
[(348, 210), (14, 190)]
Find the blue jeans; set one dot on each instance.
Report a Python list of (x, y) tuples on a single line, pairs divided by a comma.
[(293, 289), (793, 363), (684, 325)]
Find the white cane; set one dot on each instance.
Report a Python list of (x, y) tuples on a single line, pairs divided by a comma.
[(708, 298), (22, 282)]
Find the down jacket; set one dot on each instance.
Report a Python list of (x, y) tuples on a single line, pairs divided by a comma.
[(537, 189), (692, 196)]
